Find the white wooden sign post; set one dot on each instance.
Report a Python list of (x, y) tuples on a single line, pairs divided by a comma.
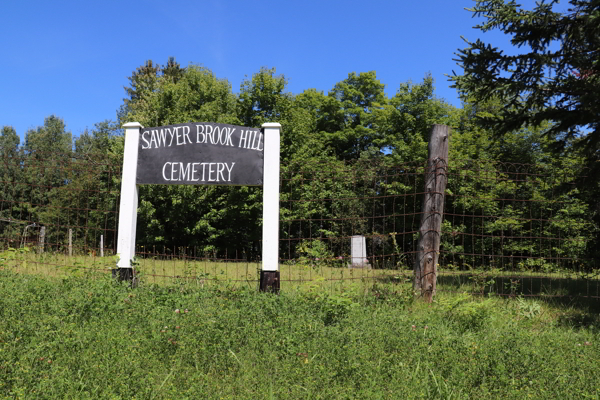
[(129, 203), (231, 154), (269, 274)]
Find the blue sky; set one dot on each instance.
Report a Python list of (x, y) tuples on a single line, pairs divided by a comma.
[(72, 58)]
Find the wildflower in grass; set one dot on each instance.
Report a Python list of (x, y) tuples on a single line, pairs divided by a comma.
[(413, 327), (186, 311), (426, 327), (177, 327), (587, 343), (177, 311)]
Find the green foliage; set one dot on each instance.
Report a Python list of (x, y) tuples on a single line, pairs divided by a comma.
[(339, 146), (405, 120), (314, 253), (97, 339), (528, 309), (468, 315), (556, 79)]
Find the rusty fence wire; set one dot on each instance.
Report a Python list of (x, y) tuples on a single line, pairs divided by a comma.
[(58, 212), (517, 229), (508, 229)]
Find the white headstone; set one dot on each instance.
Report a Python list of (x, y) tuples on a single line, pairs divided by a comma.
[(358, 250)]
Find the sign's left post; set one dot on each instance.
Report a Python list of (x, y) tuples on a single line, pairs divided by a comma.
[(129, 202)]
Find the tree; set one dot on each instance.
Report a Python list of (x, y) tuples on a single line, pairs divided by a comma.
[(208, 218), (46, 168), (358, 96), (404, 122), (262, 98), (196, 95), (10, 187), (557, 80), (142, 82), (173, 71)]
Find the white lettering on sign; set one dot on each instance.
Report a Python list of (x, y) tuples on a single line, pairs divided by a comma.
[(197, 171), (251, 140), (157, 138), (205, 134), (208, 134), (204, 153)]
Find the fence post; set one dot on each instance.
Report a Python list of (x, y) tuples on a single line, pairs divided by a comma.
[(428, 247), (269, 274), (70, 242), (129, 203), (101, 245), (42, 240)]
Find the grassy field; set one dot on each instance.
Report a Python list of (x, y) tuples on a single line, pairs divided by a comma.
[(296, 276), (82, 338), (165, 270)]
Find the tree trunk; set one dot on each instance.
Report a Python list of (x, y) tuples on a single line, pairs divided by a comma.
[(428, 247)]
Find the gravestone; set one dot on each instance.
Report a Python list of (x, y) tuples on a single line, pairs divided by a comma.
[(358, 251)]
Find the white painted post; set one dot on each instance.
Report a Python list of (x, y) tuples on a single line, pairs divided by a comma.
[(269, 277), (101, 245), (129, 200)]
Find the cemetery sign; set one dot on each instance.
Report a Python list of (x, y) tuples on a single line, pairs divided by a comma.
[(200, 153)]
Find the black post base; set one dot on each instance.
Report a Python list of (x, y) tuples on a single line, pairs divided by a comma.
[(269, 281), (124, 274)]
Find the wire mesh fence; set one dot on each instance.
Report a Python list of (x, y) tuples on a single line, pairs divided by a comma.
[(508, 229), (517, 229), (58, 212)]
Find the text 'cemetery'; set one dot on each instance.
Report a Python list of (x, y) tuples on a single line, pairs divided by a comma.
[(201, 153)]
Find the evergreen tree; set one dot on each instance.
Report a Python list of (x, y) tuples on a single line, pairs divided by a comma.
[(11, 185), (556, 79)]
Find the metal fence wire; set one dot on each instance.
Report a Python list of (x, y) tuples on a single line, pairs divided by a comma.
[(508, 229), (58, 212)]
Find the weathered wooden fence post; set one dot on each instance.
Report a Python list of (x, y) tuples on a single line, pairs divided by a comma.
[(70, 242), (269, 274), (428, 247)]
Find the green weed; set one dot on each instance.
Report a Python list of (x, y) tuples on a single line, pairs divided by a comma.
[(76, 337)]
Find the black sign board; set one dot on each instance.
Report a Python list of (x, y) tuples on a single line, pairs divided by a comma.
[(201, 153)]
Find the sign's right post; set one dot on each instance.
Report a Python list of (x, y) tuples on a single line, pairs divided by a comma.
[(269, 274)]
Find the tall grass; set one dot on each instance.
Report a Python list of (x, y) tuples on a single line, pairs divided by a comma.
[(81, 338)]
